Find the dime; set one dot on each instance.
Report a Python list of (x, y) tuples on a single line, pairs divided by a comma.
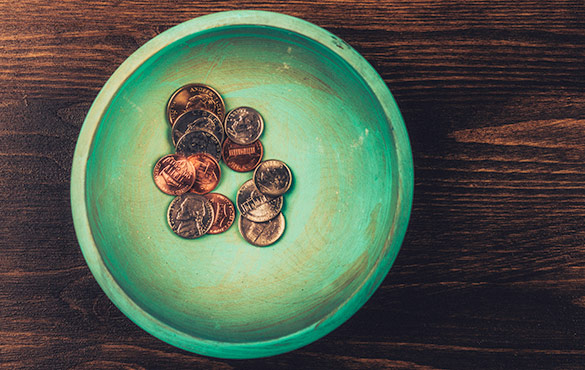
[(196, 119), (207, 173), (224, 212), (190, 215), (243, 125), (262, 234), (256, 206), (272, 177), (195, 96), (242, 158), (199, 141), (174, 174)]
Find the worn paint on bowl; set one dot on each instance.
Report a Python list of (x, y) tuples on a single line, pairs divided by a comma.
[(327, 114)]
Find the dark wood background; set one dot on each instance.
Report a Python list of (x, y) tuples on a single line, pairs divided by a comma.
[(492, 272)]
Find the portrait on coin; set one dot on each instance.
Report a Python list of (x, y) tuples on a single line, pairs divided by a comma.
[(190, 217)]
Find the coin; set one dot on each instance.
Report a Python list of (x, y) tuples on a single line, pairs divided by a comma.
[(262, 234), (196, 119), (242, 158), (224, 212), (207, 173), (190, 215), (195, 96), (272, 177), (256, 206), (199, 141), (173, 174), (243, 125)]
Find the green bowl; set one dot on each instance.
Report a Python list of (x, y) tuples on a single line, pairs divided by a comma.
[(327, 114)]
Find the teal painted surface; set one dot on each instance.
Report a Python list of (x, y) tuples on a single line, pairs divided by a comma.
[(327, 114)]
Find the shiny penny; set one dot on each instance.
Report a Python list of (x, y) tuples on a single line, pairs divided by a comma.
[(256, 206), (199, 141), (190, 215), (242, 158), (262, 234), (224, 213), (244, 125), (174, 174), (197, 119), (195, 96), (273, 177), (207, 173)]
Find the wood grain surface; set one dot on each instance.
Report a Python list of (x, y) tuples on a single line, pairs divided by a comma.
[(492, 272)]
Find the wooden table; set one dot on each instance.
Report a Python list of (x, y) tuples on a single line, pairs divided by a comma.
[(492, 272)]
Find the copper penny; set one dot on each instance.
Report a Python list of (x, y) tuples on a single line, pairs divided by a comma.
[(262, 234), (195, 96), (242, 158), (174, 174), (207, 173), (224, 212)]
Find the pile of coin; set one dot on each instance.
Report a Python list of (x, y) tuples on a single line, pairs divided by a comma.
[(203, 134)]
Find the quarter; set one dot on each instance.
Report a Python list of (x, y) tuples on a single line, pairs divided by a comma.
[(190, 215), (199, 141), (256, 206), (262, 234)]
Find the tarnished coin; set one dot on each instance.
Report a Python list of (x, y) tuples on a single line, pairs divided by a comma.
[(262, 234), (174, 174), (207, 173), (195, 96), (256, 206), (190, 215), (242, 158), (272, 177), (224, 212), (243, 125), (197, 119), (199, 141)]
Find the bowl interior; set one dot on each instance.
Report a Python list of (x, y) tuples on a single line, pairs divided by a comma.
[(321, 118)]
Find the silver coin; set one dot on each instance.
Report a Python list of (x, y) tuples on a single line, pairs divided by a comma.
[(262, 234), (256, 206), (190, 215), (199, 141), (272, 177), (243, 125), (196, 119)]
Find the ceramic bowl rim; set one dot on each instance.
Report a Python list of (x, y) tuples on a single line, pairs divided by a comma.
[(375, 276)]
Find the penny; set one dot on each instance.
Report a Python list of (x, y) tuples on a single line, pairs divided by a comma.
[(242, 158), (256, 206), (195, 96), (272, 177), (224, 212), (199, 141), (262, 234), (173, 174), (190, 215), (243, 125), (197, 119), (207, 173)]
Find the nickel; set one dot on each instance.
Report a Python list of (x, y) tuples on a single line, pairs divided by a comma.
[(243, 125), (262, 234), (190, 215), (256, 206)]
